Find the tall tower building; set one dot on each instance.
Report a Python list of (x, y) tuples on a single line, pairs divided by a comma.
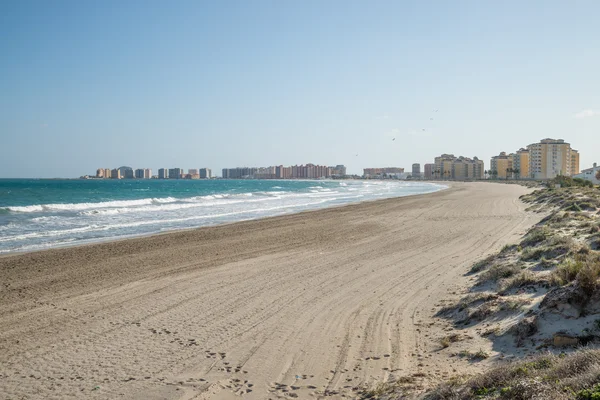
[(552, 157), (521, 163), (205, 173), (416, 170), (502, 166)]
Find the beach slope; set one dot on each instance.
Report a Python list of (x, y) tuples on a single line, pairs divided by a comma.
[(315, 303)]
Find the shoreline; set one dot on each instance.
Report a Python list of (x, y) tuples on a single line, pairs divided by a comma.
[(91, 242), (314, 303)]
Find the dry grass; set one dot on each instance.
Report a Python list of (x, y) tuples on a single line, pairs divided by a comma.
[(535, 236), (477, 356), (483, 264), (523, 279), (545, 376), (499, 271), (446, 341)]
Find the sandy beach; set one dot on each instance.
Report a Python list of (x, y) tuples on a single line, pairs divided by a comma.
[(308, 305)]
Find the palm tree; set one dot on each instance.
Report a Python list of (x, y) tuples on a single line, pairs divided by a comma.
[(517, 173), (598, 174), (508, 172)]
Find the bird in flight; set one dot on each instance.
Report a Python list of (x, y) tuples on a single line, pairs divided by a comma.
[(393, 139)]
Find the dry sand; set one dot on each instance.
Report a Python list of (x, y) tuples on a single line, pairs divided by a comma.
[(307, 305)]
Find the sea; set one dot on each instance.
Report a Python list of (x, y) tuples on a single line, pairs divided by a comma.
[(44, 213)]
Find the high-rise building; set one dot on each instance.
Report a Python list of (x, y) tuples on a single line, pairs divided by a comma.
[(382, 172), (309, 171), (574, 162), (115, 174), (139, 173), (501, 166), (443, 166), (416, 170), (428, 170), (147, 173), (163, 173), (338, 170), (447, 166), (126, 172), (107, 173), (552, 157), (521, 164), (100, 173), (205, 173), (175, 173)]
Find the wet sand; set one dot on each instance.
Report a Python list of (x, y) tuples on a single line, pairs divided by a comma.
[(307, 305)]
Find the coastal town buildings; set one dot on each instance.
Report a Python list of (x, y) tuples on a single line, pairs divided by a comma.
[(552, 157), (146, 173), (308, 171)]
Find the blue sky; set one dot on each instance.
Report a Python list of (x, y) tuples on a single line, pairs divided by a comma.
[(254, 83)]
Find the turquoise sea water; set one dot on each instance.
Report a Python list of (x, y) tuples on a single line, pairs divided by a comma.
[(37, 214)]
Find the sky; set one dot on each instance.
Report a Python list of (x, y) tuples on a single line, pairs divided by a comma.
[(217, 84)]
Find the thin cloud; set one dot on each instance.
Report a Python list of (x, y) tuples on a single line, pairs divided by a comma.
[(587, 114)]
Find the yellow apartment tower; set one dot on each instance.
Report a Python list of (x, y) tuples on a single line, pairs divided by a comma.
[(521, 163), (501, 166), (552, 157), (447, 166)]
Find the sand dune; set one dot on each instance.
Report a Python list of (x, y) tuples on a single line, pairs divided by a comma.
[(306, 305)]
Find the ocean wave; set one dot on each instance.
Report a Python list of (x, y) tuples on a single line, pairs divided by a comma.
[(199, 202), (52, 233), (115, 203)]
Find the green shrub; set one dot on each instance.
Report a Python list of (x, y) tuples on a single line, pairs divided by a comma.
[(567, 271), (589, 394)]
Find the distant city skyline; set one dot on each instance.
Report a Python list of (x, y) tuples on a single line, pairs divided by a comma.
[(281, 83)]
